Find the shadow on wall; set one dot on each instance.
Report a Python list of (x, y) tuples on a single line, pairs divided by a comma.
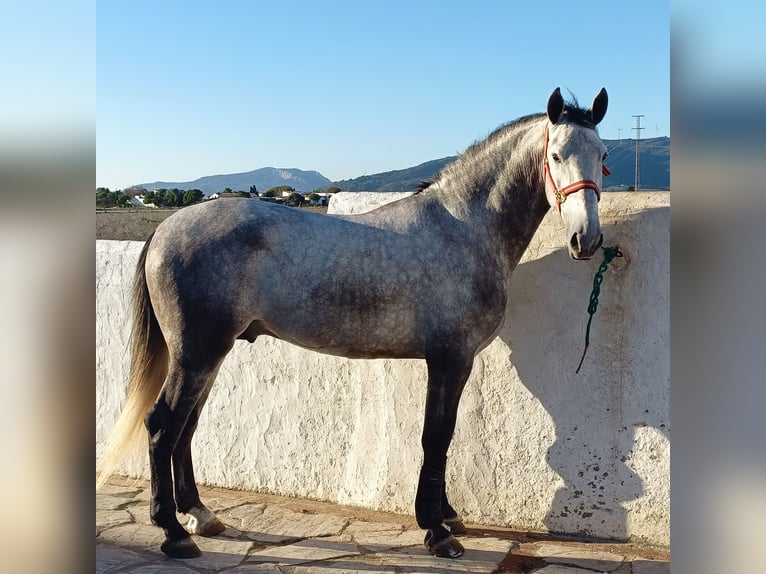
[(598, 413)]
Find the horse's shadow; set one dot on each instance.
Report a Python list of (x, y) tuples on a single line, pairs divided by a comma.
[(599, 413)]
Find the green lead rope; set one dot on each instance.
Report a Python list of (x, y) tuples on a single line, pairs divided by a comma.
[(609, 254)]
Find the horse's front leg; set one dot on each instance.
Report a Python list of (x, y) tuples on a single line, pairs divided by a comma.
[(447, 375)]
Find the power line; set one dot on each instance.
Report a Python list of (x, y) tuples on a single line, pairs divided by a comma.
[(638, 129)]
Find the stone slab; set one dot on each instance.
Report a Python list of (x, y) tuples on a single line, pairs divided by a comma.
[(378, 536), (311, 550), (272, 524), (111, 559), (482, 556)]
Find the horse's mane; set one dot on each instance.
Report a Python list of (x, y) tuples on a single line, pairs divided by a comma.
[(572, 113), (577, 115), (424, 184)]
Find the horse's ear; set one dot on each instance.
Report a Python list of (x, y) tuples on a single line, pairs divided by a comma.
[(555, 106), (598, 109)]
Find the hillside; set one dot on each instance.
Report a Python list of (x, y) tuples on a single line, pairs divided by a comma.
[(263, 179), (654, 158), (397, 180)]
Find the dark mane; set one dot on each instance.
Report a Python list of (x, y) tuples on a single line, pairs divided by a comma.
[(577, 115), (424, 184)]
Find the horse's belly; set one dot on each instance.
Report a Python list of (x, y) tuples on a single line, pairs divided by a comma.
[(352, 336)]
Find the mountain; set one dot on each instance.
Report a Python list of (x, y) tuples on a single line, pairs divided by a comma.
[(654, 166), (654, 158), (263, 179), (397, 180)]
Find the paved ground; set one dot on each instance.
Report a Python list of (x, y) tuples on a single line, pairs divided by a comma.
[(277, 535)]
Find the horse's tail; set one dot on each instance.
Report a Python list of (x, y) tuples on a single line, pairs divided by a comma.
[(148, 369)]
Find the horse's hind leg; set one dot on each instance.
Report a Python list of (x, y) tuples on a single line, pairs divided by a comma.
[(451, 518), (184, 389), (447, 375), (202, 521)]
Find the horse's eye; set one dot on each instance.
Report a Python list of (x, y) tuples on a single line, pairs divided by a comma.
[(556, 158)]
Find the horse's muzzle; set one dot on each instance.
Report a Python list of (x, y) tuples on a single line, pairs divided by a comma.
[(581, 249)]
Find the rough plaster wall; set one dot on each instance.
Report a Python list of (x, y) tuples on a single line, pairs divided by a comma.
[(536, 446)]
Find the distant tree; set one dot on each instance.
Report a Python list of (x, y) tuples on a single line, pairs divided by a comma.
[(313, 196), (173, 198), (631, 188), (192, 196), (104, 197), (227, 190), (295, 199), (157, 197), (333, 189), (269, 193), (253, 191)]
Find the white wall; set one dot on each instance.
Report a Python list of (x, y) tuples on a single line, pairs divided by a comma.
[(537, 447)]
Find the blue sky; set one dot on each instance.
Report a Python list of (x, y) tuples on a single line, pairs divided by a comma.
[(347, 88)]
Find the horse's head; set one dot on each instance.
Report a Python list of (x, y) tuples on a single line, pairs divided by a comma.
[(574, 162)]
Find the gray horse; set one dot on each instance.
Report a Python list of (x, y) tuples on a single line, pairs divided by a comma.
[(424, 277)]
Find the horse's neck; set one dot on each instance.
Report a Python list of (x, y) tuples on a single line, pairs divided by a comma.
[(506, 199)]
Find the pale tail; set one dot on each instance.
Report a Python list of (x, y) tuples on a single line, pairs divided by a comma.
[(148, 369)]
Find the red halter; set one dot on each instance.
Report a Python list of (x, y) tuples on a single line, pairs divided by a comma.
[(561, 194)]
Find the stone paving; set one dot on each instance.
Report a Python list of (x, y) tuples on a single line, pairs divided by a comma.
[(277, 535)]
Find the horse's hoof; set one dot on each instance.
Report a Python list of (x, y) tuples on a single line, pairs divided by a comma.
[(456, 527), (447, 547), (181, 548), (212, 527)]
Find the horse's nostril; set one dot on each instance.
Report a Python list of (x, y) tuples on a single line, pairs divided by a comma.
[(574, 242)]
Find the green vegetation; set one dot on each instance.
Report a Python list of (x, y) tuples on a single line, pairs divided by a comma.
[(295, 199), (192, 196), (173, 197), (159, 197), (108, 198)]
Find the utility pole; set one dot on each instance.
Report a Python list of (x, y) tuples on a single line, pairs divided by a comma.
[(638, 129), (619, 131)]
